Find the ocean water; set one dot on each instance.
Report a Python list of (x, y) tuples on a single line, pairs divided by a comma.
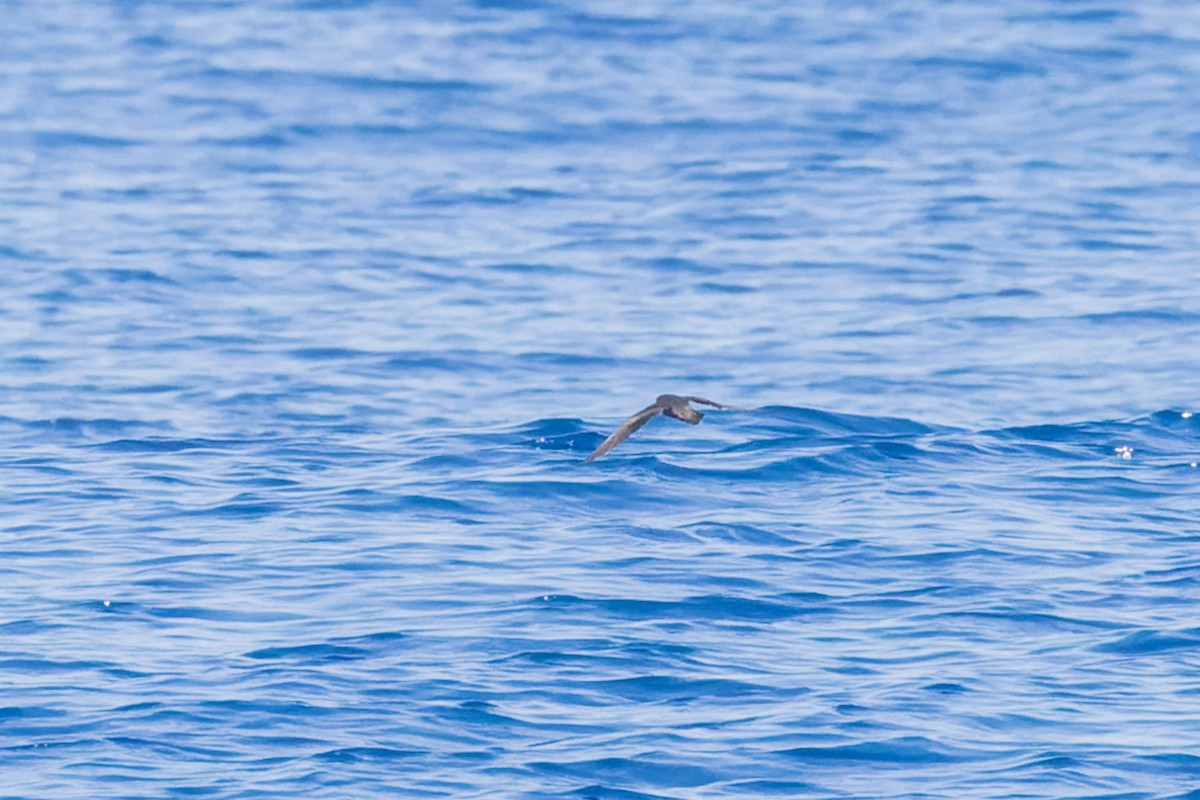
[(312, 311)]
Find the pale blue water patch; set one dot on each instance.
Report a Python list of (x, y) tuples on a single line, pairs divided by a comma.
[(311, 312)]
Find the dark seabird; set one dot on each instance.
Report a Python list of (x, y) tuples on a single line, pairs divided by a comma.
[(670, 404)]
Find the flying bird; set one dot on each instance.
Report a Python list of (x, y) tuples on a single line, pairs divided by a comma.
[(669, 404)]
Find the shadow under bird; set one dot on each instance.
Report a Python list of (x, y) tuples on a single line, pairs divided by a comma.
[(671, 405)]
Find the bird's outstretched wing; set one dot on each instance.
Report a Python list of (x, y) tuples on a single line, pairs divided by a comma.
[(627, 428), (704, 402)]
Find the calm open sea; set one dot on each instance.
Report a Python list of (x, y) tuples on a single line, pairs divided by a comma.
[(311, 311)]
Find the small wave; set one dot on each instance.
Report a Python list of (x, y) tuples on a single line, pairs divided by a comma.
[(1149, 642), (309, 654), (830, 423), (351, 755), (671, 688), (657, 772), (704, 607), (160, 444), (901, 751)]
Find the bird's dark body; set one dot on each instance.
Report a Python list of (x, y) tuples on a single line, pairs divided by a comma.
[(675, 406)]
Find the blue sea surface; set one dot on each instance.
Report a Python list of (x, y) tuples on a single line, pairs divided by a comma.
[(312, 311)]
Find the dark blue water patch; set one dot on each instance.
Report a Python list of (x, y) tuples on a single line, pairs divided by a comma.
[(272, 140), (1114, 245), (56, 298), (1151, 642), (440, 464), (726, 288), (263, 708), (17, 254), (552, 427), (372, 755), (1086, 433), (507, 196), (113, 277), (1143, 316), (582, 442), (817, 422), (1027, 621), (984, 70), (642, 29), (159, 444), (419, 504), (1086, 15), (29, 362), (35, 666), (676, 689), (600, 792), (658, 773), (392, 86), (947, 688), (699, 608), (51, 747), (581, 662), (343, 648), (28, 627), (858, 136), (283, 79), (561, 434), (572, 360), (245, 506), (557, 495), (174, 749), (310, 654), (651, 651), (1179, 763), (9, 714), (95, 427), (908, 751), (513, 5), (66, 140), (243, 254), (138, 610), (530, 268), (1053, 760), (335, 423), (1181, 577), (330, 5), (330, 353), (784, 468), (454, 363), (485, 716), (775, 788), (677, 265)]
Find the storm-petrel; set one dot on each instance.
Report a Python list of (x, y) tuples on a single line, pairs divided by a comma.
[(670, 404)]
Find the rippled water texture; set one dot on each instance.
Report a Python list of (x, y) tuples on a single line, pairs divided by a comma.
[(311, 312)]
